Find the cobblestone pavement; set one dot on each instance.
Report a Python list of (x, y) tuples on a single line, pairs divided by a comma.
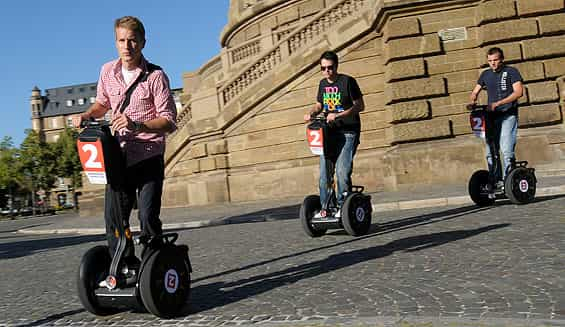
[(449, 266)]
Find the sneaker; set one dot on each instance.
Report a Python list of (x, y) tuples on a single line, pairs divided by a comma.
[(131, 266), (103, 284), (499, 186), (338, 213), (490, 191), (321, 214)]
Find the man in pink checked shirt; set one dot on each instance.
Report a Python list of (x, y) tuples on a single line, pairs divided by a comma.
[(140, 124)]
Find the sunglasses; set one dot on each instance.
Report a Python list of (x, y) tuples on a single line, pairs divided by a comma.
[(324, 68)]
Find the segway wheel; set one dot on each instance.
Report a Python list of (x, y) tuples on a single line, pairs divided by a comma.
[(520, 186), (308, 209), (93, 269), (477, 188), (165, 281), (356, 214)]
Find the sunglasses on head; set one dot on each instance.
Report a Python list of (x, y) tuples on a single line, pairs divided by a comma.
[(324, 68)]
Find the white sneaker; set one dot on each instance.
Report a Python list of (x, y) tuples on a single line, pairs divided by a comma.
[(103, 284), (490, 191), (321, 214), (338, 213)]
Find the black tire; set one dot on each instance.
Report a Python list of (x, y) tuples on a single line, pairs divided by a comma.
[(94, 268), (356, 214), (165, 281), (520, 186), (477, 185), (308, 209)]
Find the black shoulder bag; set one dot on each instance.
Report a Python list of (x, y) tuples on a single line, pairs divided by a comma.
[(141, 78)]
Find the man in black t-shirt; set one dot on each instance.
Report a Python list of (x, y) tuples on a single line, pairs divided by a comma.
[(504, 87), (341, 99)]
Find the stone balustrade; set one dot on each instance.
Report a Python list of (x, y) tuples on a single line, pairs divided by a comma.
[(245, 51), (295, 41)]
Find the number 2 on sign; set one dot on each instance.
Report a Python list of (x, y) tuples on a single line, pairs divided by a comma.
[(91, 155), (477, 124), (92, 161), (315, 137)]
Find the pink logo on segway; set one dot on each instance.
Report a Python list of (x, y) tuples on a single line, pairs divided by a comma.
[(171, 281), (524, 186)]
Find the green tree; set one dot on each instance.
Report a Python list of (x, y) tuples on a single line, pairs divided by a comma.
[(37, 164), (8, 170), (68, 162)]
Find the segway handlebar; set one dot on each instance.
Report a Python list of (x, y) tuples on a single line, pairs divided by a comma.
[(321, 117), (477, 107), (93, 122)]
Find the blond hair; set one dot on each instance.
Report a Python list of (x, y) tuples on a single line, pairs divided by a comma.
[(131, 23)]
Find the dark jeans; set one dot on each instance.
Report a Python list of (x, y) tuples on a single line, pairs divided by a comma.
[(143, 181)]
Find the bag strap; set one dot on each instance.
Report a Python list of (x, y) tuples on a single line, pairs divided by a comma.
[(141, 78)]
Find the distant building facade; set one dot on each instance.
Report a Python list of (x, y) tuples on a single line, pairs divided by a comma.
[(53, 111)]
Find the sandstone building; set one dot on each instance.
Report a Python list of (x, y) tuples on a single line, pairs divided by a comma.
[(241, 136)]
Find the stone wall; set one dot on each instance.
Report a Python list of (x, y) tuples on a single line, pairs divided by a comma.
[(416, 62), (428, 81), (258, 129)]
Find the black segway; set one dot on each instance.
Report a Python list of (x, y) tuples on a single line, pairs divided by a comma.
[(160, 281), (519, 185), (357, 209)]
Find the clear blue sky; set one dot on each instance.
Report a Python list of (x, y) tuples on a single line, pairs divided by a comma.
[(50, 44)]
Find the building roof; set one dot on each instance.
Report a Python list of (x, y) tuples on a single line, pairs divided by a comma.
[(68, 100), (55, 100)]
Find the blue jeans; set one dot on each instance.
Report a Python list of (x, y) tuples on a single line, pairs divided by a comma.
[(346, 143), (504, 140)]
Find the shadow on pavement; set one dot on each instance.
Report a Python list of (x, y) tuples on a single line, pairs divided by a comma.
[(52, 318), (23, 248), (280, 213), (421, 220), (537, 199), (20, 228), (547, 198), (218, 294), (376, 230)]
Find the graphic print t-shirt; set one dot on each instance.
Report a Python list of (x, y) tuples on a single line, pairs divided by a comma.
[(338, 96), (499, 86)]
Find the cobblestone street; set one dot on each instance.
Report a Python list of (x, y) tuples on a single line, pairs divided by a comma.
[(499, 266)]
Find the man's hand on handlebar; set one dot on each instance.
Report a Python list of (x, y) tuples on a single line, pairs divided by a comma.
[(78, 119), (331, 117), (493, 106), (122, 121)]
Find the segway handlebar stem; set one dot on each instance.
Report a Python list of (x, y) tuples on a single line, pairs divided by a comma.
[(321, 117), (477, 107), (93, 122)]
